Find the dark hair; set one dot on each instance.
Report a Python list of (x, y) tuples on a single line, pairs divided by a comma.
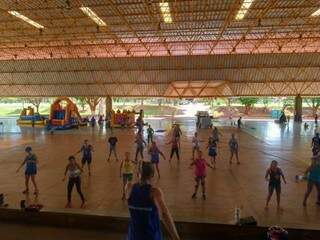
[(147, 171), (71, 158), (274, 162), (28, 149)]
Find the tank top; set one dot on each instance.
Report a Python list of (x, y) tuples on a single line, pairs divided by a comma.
[(31, 161), (154, 151), (314, 174), (233, 144), (127, 167), (86, 150), (275, 176), (144, 216), (73, 171)]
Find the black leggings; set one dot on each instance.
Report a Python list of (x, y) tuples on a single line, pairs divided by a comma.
[(139, 150), (74, 181), (175, 150)]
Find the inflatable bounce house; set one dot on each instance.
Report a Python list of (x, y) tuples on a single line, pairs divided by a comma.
[(125, 118), (29, 117), (64, 115)]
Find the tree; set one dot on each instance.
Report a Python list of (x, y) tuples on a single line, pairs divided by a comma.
[(82, 102), (248, 103), (314, 103), (93, 103), (287, 102), (266, 102), (36, 102)]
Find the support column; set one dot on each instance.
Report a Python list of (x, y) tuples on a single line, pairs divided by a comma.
[(108, 106), (298, 109)]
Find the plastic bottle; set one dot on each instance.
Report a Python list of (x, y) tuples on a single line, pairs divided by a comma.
[(237, 214)]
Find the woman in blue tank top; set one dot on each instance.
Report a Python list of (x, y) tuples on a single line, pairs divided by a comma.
[(30, 162), (145, 202), (313, 173)]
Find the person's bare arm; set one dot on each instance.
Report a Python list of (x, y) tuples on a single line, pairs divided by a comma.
[(121, 164), (22, 164), (165, 213), (79, 167), (128, 189), (308, 170), (209, 165), (267, 174), (163, 156), (65, 173), (283, 178)]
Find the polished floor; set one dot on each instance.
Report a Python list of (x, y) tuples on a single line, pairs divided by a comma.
[(228, 186)]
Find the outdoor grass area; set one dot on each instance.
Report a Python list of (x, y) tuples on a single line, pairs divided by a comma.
[(14, 109), (218, 107)]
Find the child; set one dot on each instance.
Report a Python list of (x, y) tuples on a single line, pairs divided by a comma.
[(155, 152), (140, 145), (200, 173), (177, 133), (30, 162), (74, 171), (212, 146), (126, 172), (233, 145), (150, 132), (195, 144), (273, 175), (113, 146), (174, 148), (239, 122), (86, 150), (216, 134)]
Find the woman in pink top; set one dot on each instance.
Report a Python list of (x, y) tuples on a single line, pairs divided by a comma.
[(200, 172)]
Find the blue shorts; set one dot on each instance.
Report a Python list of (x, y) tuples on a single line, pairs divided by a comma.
[(155, 159), (212, 153)]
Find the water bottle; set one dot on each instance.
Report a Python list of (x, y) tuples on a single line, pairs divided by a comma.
[(237, 213)]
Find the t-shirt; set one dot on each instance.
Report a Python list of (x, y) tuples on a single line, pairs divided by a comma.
[(150, 131), (113, 141), (200, 167)]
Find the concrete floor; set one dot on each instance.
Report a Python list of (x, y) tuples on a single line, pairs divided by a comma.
[(227, 186)]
